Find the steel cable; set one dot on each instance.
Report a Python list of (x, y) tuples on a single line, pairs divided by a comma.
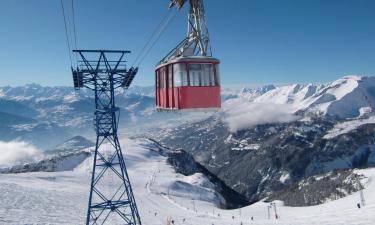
[(74, 28), (155, 36), (66, 33)]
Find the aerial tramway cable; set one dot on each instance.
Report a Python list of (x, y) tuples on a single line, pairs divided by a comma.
[(74, 28), (66, 33), (70, 30), (154, 37), (151, 37)]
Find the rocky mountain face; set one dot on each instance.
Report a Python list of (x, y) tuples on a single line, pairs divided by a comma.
[(318, 189), (184, 163), (268, 160)]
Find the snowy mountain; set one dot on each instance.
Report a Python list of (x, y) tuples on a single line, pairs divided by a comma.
[(46, 116), (348, 97), (296, 145), (265, 145)]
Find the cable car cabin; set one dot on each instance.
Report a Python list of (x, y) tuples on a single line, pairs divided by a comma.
[(188, 83)]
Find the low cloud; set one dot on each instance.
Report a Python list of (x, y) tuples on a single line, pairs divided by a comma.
[(18, 152), (240, 114)]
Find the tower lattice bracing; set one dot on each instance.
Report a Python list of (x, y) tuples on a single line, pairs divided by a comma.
[(111, 199)]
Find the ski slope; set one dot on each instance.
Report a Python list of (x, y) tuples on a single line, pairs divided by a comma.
[(61, 197)]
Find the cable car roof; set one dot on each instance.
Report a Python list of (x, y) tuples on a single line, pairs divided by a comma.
[(198, 59)]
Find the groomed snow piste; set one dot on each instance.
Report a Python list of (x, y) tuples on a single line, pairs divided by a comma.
[(61, 198)]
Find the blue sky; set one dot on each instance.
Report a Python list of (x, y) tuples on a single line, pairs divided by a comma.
[(257, 41)]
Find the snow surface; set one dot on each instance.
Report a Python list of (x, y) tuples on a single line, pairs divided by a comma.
[(343, 98), (348, 98), (347, 126), (61, 198)]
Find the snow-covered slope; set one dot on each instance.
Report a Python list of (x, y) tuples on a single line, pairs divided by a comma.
[(61, 198), (347, 97)]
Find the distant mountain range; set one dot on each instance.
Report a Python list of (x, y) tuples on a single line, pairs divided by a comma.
[(348, 97), (45, 116)]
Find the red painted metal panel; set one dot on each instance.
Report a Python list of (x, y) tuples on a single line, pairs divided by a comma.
[(164, 98), (176, 95), (199, 97), (157, 97), (190, 98)]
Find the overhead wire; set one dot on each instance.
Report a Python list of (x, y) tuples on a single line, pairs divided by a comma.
[(74, 27), (154, 37), (66, 33), (72, 37), (151, 36)]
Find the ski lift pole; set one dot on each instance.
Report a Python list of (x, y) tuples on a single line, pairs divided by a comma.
[(360, 188), (274, 207)]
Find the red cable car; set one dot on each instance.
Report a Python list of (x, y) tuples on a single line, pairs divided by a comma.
[(188, 78), (188, 83)]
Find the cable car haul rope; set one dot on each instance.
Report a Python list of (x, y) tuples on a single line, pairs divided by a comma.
[(68, 31)]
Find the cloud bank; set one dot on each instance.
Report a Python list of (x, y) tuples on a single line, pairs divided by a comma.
[(18, 152), (240, 114)]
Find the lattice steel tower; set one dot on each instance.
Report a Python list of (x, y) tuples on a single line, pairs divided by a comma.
[(111, 199)]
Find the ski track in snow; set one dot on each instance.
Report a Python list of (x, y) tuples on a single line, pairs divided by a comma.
[(61, 198)]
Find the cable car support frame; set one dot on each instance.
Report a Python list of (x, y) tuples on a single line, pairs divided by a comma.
[(104, 75)]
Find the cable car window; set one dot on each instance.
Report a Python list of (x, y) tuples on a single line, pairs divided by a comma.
[(195, 73), (208, 75), (162, 77), (180, 75), (217, 73), (165, 77), (170, 81), (195, 78), (157, 79), (212, 79)]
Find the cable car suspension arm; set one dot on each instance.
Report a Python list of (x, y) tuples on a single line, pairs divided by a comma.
[(197, 42)]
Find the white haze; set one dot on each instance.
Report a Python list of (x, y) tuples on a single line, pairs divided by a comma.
[(18, 152), (241, 114)]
